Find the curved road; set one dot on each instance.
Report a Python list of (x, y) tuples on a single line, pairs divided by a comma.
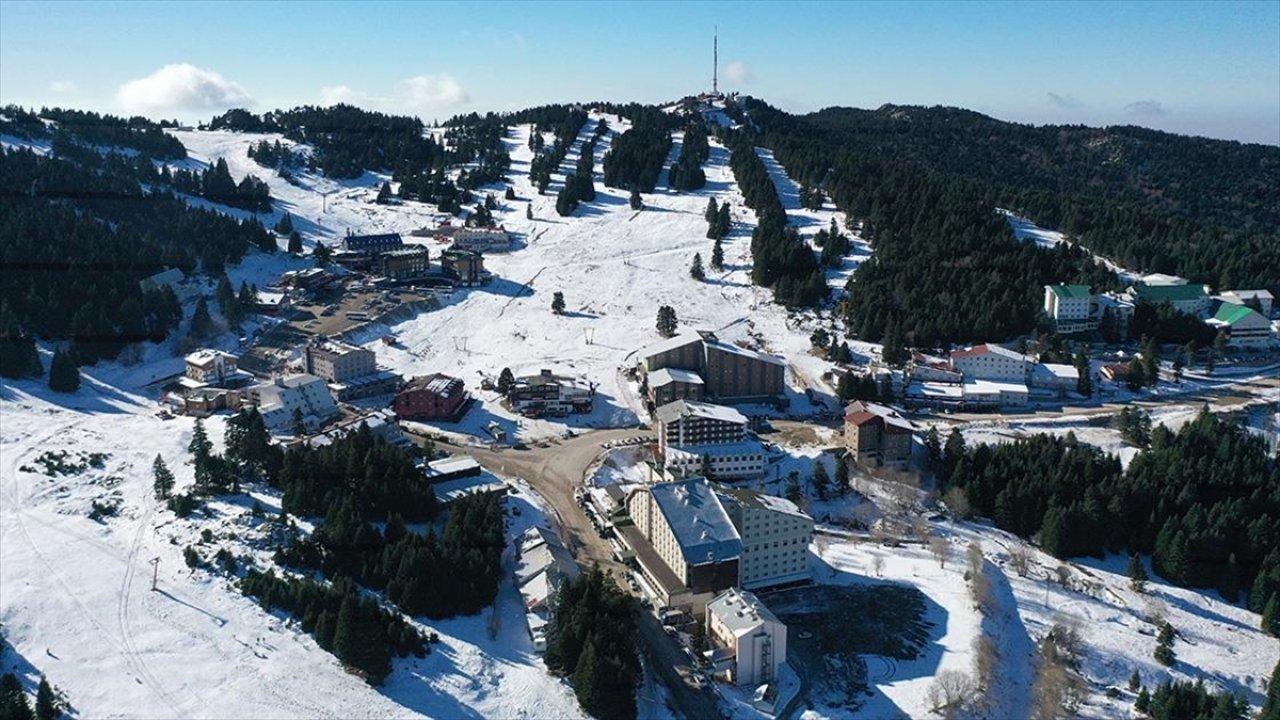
[(554, 472)]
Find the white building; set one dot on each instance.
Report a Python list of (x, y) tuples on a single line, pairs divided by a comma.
[(994, 393), (1120, 307), (1260, 300), (542, 566), (775, 538), (1071, 307), (306, 394), (697, 436), (1245, 327), (991, 362), (749, 641), (477, 240), (1057, 377), (213, 367)]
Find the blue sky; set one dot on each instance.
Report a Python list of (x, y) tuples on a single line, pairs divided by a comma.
[(1209, 69)]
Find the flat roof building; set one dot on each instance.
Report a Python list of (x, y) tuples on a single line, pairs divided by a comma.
[(749, 643)]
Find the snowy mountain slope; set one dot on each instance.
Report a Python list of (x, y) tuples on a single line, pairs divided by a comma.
[(75, 598)]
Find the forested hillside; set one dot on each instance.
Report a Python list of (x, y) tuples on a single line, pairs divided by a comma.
[(1205, 209)]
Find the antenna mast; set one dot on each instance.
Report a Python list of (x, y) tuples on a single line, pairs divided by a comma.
[(715, 61)]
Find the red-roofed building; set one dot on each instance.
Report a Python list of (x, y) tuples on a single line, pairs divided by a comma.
[(431, 397), (877, 434)]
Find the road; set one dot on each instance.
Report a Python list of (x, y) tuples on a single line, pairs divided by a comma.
[(553, 472)]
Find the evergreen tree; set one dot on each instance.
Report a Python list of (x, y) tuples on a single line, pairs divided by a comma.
[(46, 702), (1135, 681), (821, 481), (1164, 653), (1271, 616), (322, 253), (505, 380), (64, 376), (285, 226), (384, 193), (163, 482), (667, 322), (201, 321), (695, 270), (1084, 385), (528, 211), (717, 255), (894, 352), (18, 355), (712, 211), (1271, 707), (295, 243), (510, 193), (1137, 574), (635, 201), (13, 702), (1143, 702), (557, 303), (793, 487)]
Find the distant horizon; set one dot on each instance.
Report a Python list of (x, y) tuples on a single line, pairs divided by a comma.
[(1200, 69)]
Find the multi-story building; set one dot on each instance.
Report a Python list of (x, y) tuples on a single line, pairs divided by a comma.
[(371, 244), (877, 434), (1245, 327), (481, 240), (684, 542), (669, 384), (775, 537), (1260, 300), (991, 362), (1056, 377), (214, 367), (1072, 308), (337, 361), (749, 643), (701, 438), (1115, 310), (406, 263), (1187, 299), (542, 567), (431, 397), (304, 396), (464, 266), (729, 373), (549, 394), (352, 371)]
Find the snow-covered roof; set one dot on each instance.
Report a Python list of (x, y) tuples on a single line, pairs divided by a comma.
[(206, 357), (744, 447), (678, 409), (452, 465), (935, 390), (993, 387), (1057, 371), (697, 519), (671, 343), (753, 498), (731, 348), (665, 376), (860, 410), (1162, 279), (741, 611), (989, 349)]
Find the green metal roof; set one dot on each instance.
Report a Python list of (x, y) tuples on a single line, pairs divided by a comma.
[(1231, 313), (1071, 291), (1169, 293)]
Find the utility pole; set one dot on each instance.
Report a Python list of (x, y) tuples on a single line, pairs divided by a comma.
[(155, 572)]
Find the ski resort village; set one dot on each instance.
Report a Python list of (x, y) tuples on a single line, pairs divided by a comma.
[(698, 409)]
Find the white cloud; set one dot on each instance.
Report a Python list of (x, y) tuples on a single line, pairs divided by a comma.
[(181, 87), (738, 72), (415, 95), (1146, 108), (62, 87)]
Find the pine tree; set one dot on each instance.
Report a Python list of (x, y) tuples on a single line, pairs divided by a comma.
[(1137, 574), (1084, 385), (1271, 616), (163, 483), (46, 703), (64, 376), (821, 481), (384, 193), (793, 487), (1164, 653), (587, 683), (505, 380), (1135, 681), (712, 211), (1271, 708), (695, 270), (201, 321), (295, 243), (510, 193), (1143, 703), (1229, 581), (667, 322), (199, 447), (13, 701), (528, 211), (717, 255), (285, 226), (557, 303)]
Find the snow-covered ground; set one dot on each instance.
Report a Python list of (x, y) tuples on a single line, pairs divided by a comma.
[(75, 598), (1217, 641)]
